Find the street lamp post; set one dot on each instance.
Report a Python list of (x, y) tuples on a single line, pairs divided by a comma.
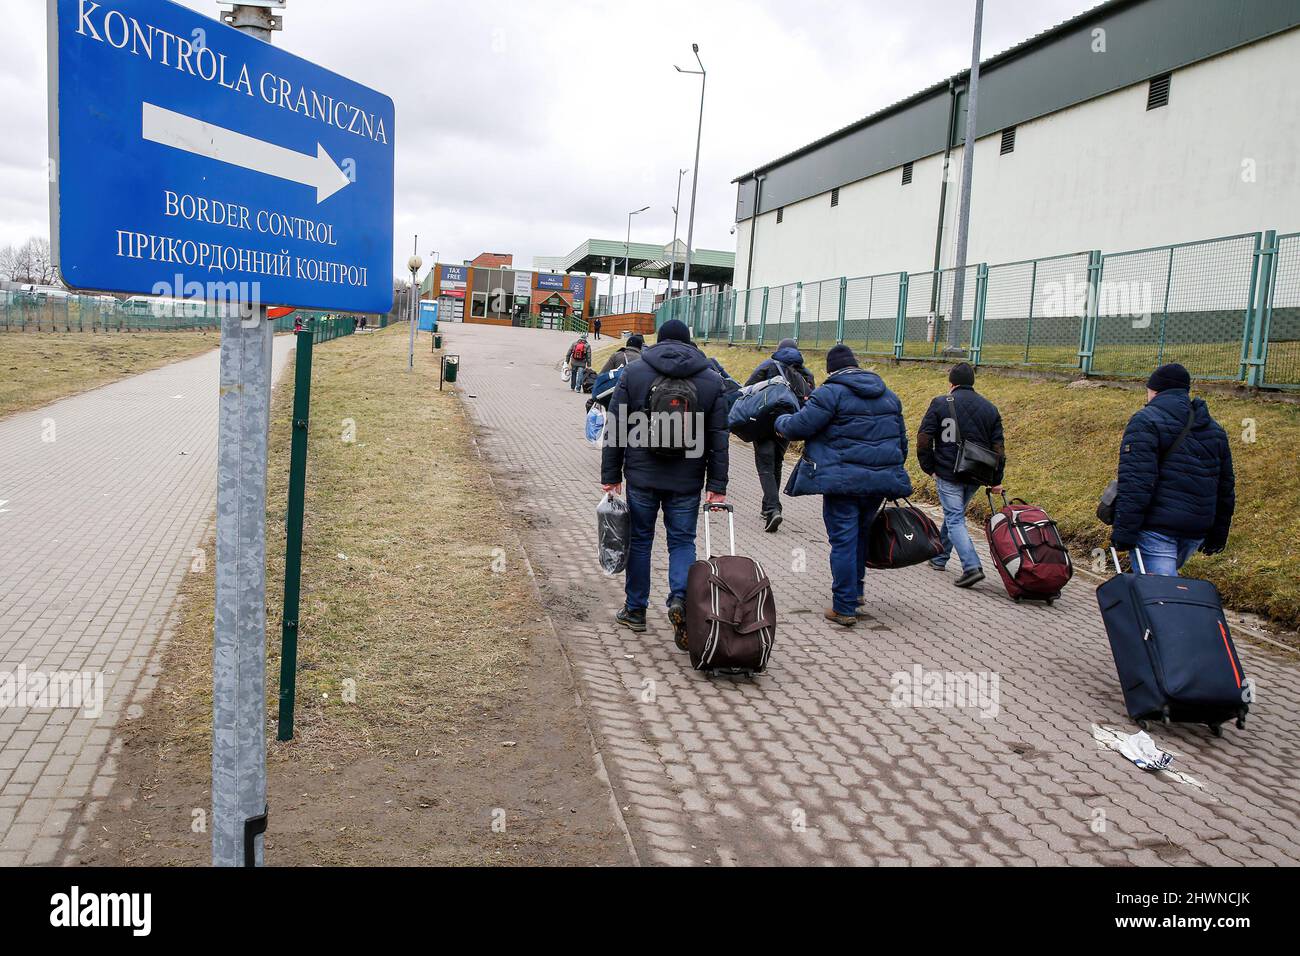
[(695, 173), (672, 257), (627, 249), (967, 170), (413, 264)]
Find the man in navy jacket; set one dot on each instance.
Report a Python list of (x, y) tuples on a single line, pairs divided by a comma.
[(658, 482), (1170, 509), (769, 453), (855, 447)]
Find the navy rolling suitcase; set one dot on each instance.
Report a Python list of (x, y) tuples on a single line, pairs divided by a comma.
[(1173, 651)]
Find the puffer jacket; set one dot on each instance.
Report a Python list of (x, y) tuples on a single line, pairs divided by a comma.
[(792, 359), (641, 466), (855, 439), (1192, 494)]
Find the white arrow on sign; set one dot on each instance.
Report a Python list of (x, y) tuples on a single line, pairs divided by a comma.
[(203, 139)]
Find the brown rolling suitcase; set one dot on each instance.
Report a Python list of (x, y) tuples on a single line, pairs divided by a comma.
[(730, 612)]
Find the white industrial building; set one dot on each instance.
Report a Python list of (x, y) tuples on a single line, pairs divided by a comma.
[(1137, 123)]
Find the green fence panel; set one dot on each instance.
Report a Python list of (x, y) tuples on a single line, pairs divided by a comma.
[(1280, 316), (1189, 303)]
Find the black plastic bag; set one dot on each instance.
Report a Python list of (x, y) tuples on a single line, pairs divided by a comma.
[(613, 533)]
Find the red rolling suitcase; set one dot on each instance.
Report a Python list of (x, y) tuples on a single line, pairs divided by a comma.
[(1027, 549), (730, 613)]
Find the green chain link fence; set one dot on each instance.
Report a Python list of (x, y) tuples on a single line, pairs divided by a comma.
[(1227, 308)]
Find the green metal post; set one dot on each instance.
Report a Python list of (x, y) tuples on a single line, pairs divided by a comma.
[(1164, 316), (1088, 327), (839, 319), (1262, 309), (977, 317), (900, 322), (762, 319), (1029, 321), (293, 533), (798, 308)]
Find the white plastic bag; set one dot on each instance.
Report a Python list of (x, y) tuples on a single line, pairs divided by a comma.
[(613, 533), (564, 372), (596, 424)]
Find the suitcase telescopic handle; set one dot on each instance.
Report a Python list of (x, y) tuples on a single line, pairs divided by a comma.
[(1005, 502), (731, 526), (1136, 556)]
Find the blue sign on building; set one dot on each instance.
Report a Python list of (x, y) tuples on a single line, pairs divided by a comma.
[(454, 274), (193, 160), (578, 286), (548, 280)]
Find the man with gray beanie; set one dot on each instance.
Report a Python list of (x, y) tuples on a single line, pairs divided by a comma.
[(962, 415), (1176, 491)]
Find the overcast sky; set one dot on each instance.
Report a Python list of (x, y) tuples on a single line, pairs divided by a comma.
[(527, 127)]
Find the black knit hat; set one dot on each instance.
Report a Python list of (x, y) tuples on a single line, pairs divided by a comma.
[(674, 330), (963, 373), (635, 341), (1169, 376), (786, 344), (841, 356)]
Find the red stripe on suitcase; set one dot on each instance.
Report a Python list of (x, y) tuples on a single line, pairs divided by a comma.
[(1231, 660)]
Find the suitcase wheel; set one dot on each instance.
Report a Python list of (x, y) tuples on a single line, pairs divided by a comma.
[(1216, 730), (1143, 724)]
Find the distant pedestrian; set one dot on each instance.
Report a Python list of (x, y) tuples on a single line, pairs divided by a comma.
[(769, 453), (855, 444), (1176, 489), (665, 475), (597, 324), (578, 359), (961, 415)]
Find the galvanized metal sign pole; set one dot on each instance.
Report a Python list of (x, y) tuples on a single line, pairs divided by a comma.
[(239, 637), (967, 172)]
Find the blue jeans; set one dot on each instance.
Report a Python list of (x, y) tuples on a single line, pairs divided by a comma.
[(848, 519), (681, 513), (1163, 554), (955, 499), (576, 373)]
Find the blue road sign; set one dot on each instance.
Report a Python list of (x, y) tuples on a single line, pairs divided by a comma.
[(190, 159)]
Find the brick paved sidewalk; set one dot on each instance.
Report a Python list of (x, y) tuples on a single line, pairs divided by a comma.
[(103, 497), (810, 763)]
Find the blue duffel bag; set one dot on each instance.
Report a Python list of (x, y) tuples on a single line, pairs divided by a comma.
[(755, 412)]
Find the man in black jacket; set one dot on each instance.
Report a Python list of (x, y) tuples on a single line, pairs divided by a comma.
[(1176, 488), (961, 415), (667, 458), (769, 453)]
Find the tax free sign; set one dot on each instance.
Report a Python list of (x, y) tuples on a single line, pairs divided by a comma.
[(192, 160)]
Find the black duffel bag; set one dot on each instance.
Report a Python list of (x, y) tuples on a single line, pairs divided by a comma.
[(901, 536)]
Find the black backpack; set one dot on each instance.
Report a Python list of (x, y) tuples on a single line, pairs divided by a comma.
[(798, 384), (671, 407)]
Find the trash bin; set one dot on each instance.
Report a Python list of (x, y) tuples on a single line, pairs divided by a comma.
[(450, 365), (437, 340)]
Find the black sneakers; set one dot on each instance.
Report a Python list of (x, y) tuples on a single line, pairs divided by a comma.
[(633, 620), (772, 521), (970, 578), (676, 615)]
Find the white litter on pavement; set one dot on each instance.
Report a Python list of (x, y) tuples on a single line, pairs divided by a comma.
[(1142, 750)]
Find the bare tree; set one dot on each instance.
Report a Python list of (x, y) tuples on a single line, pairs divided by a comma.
[(8, 262)]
